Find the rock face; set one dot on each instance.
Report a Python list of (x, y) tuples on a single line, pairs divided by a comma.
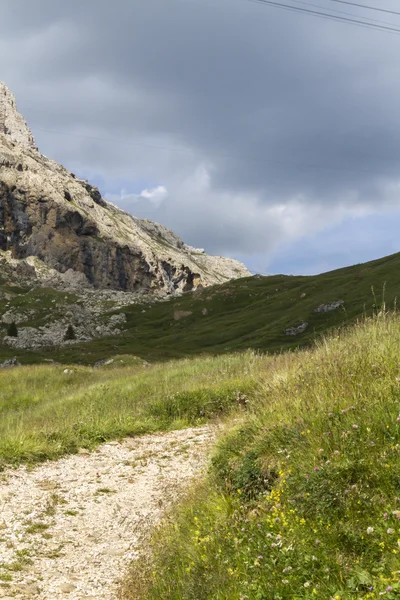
[(48, 213), (12, 124)]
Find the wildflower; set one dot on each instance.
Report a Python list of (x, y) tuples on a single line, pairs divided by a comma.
[(385, 516), (277, 520), (398, 419), (330, 414), (389, 588), (336, 452), (372, 443), (285, 581), (307, 584), (355, 426), (316, 468), (344, 411), (390, 531), (370, 530), (287, 569), (260, 557)]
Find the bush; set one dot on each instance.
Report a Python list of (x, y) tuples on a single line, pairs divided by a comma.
[(12, 330), (69, 334)]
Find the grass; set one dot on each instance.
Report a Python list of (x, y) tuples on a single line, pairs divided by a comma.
[(303, 495), (45, 413), (249, 313)]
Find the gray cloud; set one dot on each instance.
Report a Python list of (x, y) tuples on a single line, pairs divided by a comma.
[(285, 123)]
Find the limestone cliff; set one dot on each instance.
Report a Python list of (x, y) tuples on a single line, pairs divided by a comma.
[(48, 213)]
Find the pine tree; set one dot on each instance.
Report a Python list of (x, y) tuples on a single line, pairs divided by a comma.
[(12, 330), (69, 334)]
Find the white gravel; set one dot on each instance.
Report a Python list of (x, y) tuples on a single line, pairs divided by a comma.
[(70, 528)]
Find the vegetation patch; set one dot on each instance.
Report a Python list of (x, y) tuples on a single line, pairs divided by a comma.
[(303, 496), (48, 411)]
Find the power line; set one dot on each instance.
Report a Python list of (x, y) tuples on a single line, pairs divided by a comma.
[(330, 16), (384, 10), (221, 156), (341, 12)]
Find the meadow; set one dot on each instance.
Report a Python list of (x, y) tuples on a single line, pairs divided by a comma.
[(250, 313), (302, 499), (49, 411)]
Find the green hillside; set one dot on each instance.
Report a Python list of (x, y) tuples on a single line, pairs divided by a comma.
[(302, 499), (246, 313)]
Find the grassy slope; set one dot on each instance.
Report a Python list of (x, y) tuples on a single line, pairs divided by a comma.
[(303, 498), (242, 314)]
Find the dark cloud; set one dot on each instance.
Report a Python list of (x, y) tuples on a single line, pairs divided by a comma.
[(263, 125)]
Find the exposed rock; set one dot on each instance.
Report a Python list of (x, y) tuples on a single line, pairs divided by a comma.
[(13, 362), (103, 363), (12, 124), (181, 314), (86, 328), (329, 307), (297, 330), (47, 213)]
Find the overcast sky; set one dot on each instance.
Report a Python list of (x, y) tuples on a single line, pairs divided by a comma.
[(253, 132)]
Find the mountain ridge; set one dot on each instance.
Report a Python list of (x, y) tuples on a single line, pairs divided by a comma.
[(49, 213)]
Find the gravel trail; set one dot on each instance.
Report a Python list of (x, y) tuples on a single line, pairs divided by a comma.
[(70, 528)]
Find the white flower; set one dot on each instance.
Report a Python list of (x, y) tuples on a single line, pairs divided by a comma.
[(307, 584), (370, 530), (287, 569), (390, 531)]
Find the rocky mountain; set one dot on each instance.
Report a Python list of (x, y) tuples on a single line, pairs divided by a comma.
[(52, 220)]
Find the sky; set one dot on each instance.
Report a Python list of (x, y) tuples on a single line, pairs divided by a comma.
[(267, 135)]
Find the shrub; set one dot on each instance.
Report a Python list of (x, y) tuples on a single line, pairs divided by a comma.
[(69, 334), (12, 330)]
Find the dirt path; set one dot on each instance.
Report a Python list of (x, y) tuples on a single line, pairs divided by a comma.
[(69, 529)]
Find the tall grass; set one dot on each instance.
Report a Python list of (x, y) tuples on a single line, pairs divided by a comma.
[(303, 496), (45, 413)]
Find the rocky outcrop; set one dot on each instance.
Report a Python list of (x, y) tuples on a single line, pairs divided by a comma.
[(12, 124), (324, 308), (8, 364), (293, 331), (49, 213)]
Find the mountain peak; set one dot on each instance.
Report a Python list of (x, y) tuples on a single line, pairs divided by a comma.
[(12, 123), (48, 213)]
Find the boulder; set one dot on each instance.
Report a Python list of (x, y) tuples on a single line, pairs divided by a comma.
[(297, 329), (13, 362), (329, 307)]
